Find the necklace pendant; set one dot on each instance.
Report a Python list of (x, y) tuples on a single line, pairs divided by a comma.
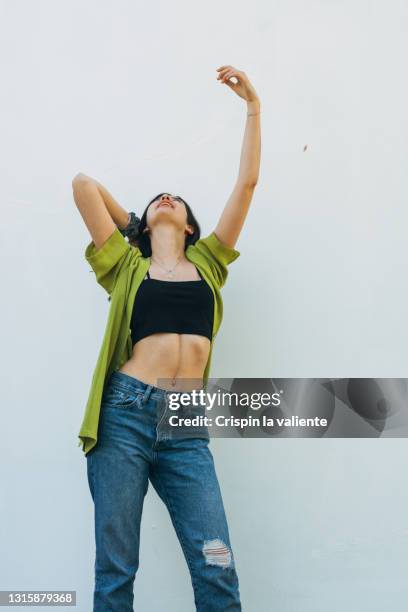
[(170, 274)]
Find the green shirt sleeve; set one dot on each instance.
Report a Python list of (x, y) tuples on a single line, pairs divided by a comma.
[(107, 261), (218, 255)]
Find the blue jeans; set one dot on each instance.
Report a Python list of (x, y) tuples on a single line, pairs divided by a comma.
[(137, 443)]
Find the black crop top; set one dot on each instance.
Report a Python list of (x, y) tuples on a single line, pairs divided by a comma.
[(182, 307)]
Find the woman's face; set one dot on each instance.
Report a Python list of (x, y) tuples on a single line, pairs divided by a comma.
[(167, 209)]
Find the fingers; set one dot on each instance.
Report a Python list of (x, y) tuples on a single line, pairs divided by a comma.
[(226, 72), (223, 70)]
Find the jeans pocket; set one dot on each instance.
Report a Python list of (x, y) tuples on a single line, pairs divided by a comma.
[(121, 398)]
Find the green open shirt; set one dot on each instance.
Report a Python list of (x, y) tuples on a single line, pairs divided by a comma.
[(120, 268)]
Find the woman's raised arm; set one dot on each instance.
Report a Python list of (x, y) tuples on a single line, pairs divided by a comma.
[(98, 208), (236, 209)]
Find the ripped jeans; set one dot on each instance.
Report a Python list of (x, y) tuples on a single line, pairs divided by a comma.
[(136, 444)]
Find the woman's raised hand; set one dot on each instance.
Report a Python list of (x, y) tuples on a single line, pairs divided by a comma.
[(242, 88)]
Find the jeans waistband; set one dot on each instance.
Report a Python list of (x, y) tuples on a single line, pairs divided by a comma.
[(134, 384)]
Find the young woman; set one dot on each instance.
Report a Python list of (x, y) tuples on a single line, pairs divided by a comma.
[(166, 308)]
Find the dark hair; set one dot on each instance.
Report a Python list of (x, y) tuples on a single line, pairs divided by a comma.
[(142, 240)]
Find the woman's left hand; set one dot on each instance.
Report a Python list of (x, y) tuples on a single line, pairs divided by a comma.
[(243, 88)]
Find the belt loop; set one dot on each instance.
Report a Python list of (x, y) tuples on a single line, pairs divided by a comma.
[(146, 394)]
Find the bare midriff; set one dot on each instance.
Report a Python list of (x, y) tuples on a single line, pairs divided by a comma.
[(169, 361)]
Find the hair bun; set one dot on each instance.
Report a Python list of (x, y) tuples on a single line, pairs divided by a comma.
[(131, 231)]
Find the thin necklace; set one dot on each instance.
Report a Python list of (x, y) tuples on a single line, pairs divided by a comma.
[(169, 271)]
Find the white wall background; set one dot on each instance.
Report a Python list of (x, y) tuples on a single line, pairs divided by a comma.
[(127, 92)]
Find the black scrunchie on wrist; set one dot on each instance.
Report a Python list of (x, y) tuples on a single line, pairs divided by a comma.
[(131, 231)]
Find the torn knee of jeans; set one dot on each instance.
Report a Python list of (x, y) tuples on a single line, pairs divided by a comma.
[(217, 553)]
